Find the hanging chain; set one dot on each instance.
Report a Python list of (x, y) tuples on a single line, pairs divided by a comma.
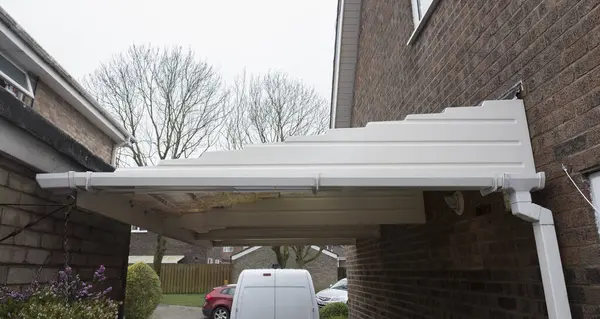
[(66, 236)]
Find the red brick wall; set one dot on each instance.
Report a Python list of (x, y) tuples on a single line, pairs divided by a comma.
[(65, 117), (483, 264)]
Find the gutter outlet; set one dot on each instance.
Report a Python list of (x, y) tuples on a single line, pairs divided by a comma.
[(551, 269)]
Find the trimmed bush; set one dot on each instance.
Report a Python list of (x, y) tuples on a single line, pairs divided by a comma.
[(333, 310), (143, 292)]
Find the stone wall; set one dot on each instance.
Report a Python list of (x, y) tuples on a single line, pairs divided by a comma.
[(483, 264), (93, 239)]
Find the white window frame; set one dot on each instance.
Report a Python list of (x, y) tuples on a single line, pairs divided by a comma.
[(594, 179), (227, 249), (137, 229), (27, 91), (420, 19)]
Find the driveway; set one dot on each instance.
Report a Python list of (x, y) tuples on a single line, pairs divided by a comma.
[(177, 312)]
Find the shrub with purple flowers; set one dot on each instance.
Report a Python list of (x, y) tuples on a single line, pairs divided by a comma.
[(67, 297)]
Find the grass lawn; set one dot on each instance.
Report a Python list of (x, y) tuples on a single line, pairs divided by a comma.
[(195, 300)]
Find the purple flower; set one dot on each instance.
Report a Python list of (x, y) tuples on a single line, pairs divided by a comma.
[(67, 287), (99, 274)]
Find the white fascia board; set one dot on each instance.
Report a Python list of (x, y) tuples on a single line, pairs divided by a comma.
[(245, 252), (325, 251), (467, 148), (23, 53), (336, 63), (255, 248)]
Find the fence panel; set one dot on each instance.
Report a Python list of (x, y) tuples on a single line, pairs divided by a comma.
[(193, 278)]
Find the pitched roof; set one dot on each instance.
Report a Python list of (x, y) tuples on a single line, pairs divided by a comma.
[(255, 248), (18, 41)]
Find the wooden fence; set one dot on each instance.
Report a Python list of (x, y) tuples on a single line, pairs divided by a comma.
[(193, 278)]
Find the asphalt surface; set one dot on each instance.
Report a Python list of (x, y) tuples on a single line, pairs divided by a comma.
[(177, 312)]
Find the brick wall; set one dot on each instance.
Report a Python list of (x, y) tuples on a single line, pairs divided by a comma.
[(323, 270), (93, 239), (68, 119), (223, 257), (144, 244), (483, 264)]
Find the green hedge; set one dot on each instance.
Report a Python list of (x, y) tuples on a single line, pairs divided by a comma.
[(143, 293), (334, 310)]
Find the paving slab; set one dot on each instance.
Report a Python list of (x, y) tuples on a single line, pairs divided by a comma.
[(177, 312)]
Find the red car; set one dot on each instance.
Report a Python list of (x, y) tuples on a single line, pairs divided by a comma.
[(217, 303)]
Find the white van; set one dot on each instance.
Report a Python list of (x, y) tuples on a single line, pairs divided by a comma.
[(275, 294)]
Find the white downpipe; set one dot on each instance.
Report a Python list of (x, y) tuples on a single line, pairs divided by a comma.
[(551, 269)]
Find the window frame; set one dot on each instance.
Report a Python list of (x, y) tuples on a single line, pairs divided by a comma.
[(229, 249), (27, 91), (138, 230), (420, 21), (594, 181)]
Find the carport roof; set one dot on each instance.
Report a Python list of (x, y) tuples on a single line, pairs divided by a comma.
[(326, 189)]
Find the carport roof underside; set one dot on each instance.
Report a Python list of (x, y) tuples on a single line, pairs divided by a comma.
[(326, 189)]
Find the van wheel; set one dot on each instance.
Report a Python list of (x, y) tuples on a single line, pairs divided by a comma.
[(220, 313)]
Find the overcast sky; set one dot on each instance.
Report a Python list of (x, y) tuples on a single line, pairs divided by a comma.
[(293, 36)]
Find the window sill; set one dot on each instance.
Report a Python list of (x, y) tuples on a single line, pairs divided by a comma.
[(422, 23), (139, 231)]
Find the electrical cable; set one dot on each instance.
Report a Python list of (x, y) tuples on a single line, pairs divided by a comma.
[(579, 189), (33, 223)]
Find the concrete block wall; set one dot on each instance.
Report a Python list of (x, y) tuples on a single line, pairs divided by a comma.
[(483, 264), (60, 113), (93, 239)]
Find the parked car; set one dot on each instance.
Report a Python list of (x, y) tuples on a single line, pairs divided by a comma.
[(217, 304), (338, 292), (275, 294)]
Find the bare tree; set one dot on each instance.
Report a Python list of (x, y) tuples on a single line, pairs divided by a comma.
[(282, 254), (303, 255), (269, 109), (172, 103)]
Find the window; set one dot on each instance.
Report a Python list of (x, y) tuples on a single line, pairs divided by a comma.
[(419, 8), (595, 194), (136, 229), (341, 285), (421, 11), (228, 291), (14, 79), (227, 249)]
